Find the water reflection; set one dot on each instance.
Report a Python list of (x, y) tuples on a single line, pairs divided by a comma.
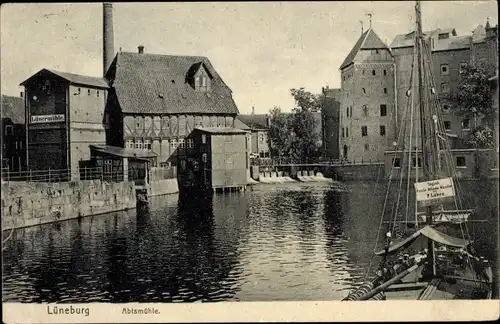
[(286, 242)]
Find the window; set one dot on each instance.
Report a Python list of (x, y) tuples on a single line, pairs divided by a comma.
[(413, 162), (181, 143), (228, 158), (138, 144), (397, 162), (376, 51), (444, 69), (343, 132), (190, 143), (382, 130), (367, 147), (347, 132), (204, 81), (461, 162), (447, 125), (9, 130), (445, 87), (364, 131), (446, 107), (197, 82), (363, 72), (373, 72), (203, 139), (365, 110), (383, 110), (363, 89), (20, 145), (173, 144), (229, 138), (347, 111), (130, 144), (385, 72), (88, 92), (463, 65), (147, 145), (97, 93), (465, 124), (16, 145)]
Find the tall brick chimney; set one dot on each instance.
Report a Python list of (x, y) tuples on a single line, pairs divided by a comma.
[(108, 47)]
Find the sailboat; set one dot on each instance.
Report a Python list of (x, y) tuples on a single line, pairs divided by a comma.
[(427, 254)]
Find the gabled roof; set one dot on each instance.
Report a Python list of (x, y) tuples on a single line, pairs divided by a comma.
[(254, 121), (158, 84), (368, 40), (72, 78), (407, 40), (13, 108), (240, 125)]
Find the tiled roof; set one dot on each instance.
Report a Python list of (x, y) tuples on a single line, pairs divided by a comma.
[(240, 125), (452, 43), (76, 79), (124, 152), (255, 121), (13, 108), (159, 84), (221, 130), (368, 40), (332, 93), (407, 40)]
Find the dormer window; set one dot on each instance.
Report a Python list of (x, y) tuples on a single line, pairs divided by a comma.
[(199, 77)]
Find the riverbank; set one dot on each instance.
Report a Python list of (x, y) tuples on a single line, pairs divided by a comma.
[(33, 203)]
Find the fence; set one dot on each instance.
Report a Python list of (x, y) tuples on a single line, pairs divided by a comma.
[(322, 161), (62, 175)]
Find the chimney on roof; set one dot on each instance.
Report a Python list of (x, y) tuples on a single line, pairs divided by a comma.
[(108, 46), (140, 49)]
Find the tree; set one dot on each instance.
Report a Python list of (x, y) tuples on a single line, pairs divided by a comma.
[(306, 140), (279, 136), (473, 99), (481, 137)]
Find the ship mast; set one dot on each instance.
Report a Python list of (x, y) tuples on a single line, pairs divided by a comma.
[(426, 159)]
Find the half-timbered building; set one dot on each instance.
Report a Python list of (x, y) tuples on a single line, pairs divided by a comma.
[(156, 101)]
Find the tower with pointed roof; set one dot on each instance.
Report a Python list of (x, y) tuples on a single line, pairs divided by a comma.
[(367, 100)]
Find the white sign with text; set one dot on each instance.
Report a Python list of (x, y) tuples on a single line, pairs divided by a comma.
[(429, 192), (39, 119)]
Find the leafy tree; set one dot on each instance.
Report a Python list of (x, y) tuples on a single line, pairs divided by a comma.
[(473, 99), (306, 141), (279, 136), (481, 137)]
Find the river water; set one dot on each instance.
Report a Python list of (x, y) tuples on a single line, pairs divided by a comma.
[(272, 242)]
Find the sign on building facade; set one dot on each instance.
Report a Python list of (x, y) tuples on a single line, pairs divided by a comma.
[(42, 119)]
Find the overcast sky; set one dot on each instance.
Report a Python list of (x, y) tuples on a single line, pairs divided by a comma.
[(261, 50)]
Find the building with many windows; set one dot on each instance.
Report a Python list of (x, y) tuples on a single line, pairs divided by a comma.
[(13, 134), (367, 100), (155, 102), (64, 115)]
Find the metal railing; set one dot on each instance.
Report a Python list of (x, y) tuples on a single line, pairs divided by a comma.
[(63, 175), (316, 161)]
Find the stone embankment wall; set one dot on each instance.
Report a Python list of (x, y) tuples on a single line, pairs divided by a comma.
[(163, 187), (33, 203)]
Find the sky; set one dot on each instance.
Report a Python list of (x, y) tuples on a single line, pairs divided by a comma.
[(260, 49)]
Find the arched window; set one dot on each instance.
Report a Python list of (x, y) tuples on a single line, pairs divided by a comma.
[(385, 72), (373, 72)]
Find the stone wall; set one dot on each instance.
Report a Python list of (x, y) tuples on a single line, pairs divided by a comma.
[(368, 171), (33, 203), (163, 187)]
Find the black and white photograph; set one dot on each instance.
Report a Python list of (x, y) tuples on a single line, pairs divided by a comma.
[(233, 153)]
